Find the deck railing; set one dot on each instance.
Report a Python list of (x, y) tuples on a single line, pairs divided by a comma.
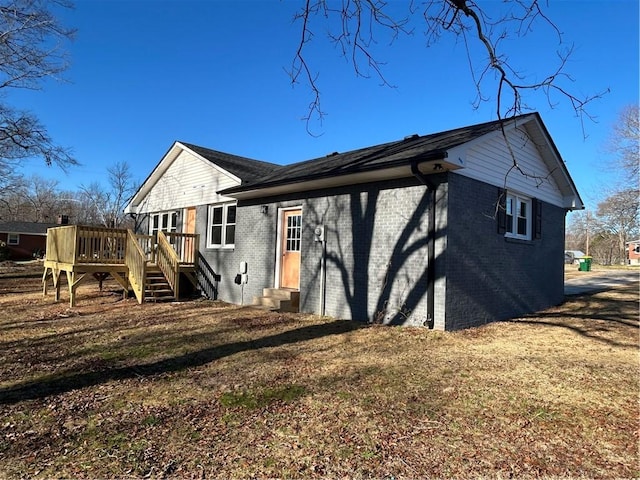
[(82, 245), (147, 245), (185, 245), (169, 262), (101, 245), (136, 259), (61, 244), (76, 244)]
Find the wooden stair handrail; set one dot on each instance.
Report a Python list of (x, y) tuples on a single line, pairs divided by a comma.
[(169, 262), (136, 261)]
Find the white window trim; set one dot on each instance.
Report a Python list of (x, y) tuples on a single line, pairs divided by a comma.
[(171, 222), (13, 236), (225, 208), (514, 217)]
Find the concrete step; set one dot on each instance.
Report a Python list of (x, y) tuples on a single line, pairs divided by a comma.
[(283, 293), (281, 299)]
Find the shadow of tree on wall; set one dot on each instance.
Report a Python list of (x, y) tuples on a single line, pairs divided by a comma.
[(76, 380), (353, 254)]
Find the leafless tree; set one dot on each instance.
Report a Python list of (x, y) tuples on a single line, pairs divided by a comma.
[(31, 50), (624, 144), (356, 27), (604, 233), (41, 199), (605, 249), (94, 199), (12, 191), (619, 215), (32, 199), (580, 229), (109, 203), (123, 187)]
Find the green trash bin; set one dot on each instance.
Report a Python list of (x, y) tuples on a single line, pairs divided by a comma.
[(585, 264)]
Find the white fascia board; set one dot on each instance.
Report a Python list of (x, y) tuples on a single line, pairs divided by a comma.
[(153, 177), (556, 165)]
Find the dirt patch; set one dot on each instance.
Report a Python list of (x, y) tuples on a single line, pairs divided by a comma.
[(9, 268), (112, 389)]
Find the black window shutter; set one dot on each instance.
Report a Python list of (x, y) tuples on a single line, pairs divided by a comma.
[(537, 219), (501, 213)]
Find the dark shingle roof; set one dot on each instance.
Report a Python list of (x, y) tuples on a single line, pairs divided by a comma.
[(390, 154), (26, 228), (247, 169)]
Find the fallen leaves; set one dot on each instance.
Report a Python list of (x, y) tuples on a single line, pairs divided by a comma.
[(202, 389)]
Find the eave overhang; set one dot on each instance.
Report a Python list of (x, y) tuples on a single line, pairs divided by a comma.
[(434, 162)]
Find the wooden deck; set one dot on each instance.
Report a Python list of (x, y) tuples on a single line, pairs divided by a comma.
[(96, 252)]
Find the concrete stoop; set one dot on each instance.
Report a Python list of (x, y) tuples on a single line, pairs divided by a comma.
[(281, 299)]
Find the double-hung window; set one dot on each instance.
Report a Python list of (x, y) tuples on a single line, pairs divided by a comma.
[(221, 226), (13, 239), (519, 215)]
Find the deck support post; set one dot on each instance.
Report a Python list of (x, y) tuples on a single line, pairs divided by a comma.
[(44, 281), (72, 288), (56, 283), (55, 276), (101, 277)]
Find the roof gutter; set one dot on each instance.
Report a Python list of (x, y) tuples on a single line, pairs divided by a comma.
[(432, 187)]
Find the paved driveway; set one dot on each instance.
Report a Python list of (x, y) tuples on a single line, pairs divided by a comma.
[(589, 282)]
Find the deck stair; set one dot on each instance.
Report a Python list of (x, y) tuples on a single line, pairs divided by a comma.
[(280, 299), (157, 288)]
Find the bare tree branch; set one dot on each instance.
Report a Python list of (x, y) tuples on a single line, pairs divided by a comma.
[(23, 136), (624, 145), (109, 203), (361, 22), (31, 50)]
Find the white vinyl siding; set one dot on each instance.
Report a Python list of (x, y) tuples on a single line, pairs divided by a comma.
[(489, 161), (187, 181)]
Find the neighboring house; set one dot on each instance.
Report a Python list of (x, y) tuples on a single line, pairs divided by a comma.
[(436, 230), (572, 256), (25, 240), (633, 252)]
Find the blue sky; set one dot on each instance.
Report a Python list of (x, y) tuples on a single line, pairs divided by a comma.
[(146, 73)]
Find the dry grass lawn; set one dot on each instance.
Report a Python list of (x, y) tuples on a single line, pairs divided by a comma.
[(111, 389)]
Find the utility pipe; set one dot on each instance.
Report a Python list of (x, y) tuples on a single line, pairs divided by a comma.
[(323, 274)]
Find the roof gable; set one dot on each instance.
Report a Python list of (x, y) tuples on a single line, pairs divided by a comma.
[(246, 169), (237, 169)]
